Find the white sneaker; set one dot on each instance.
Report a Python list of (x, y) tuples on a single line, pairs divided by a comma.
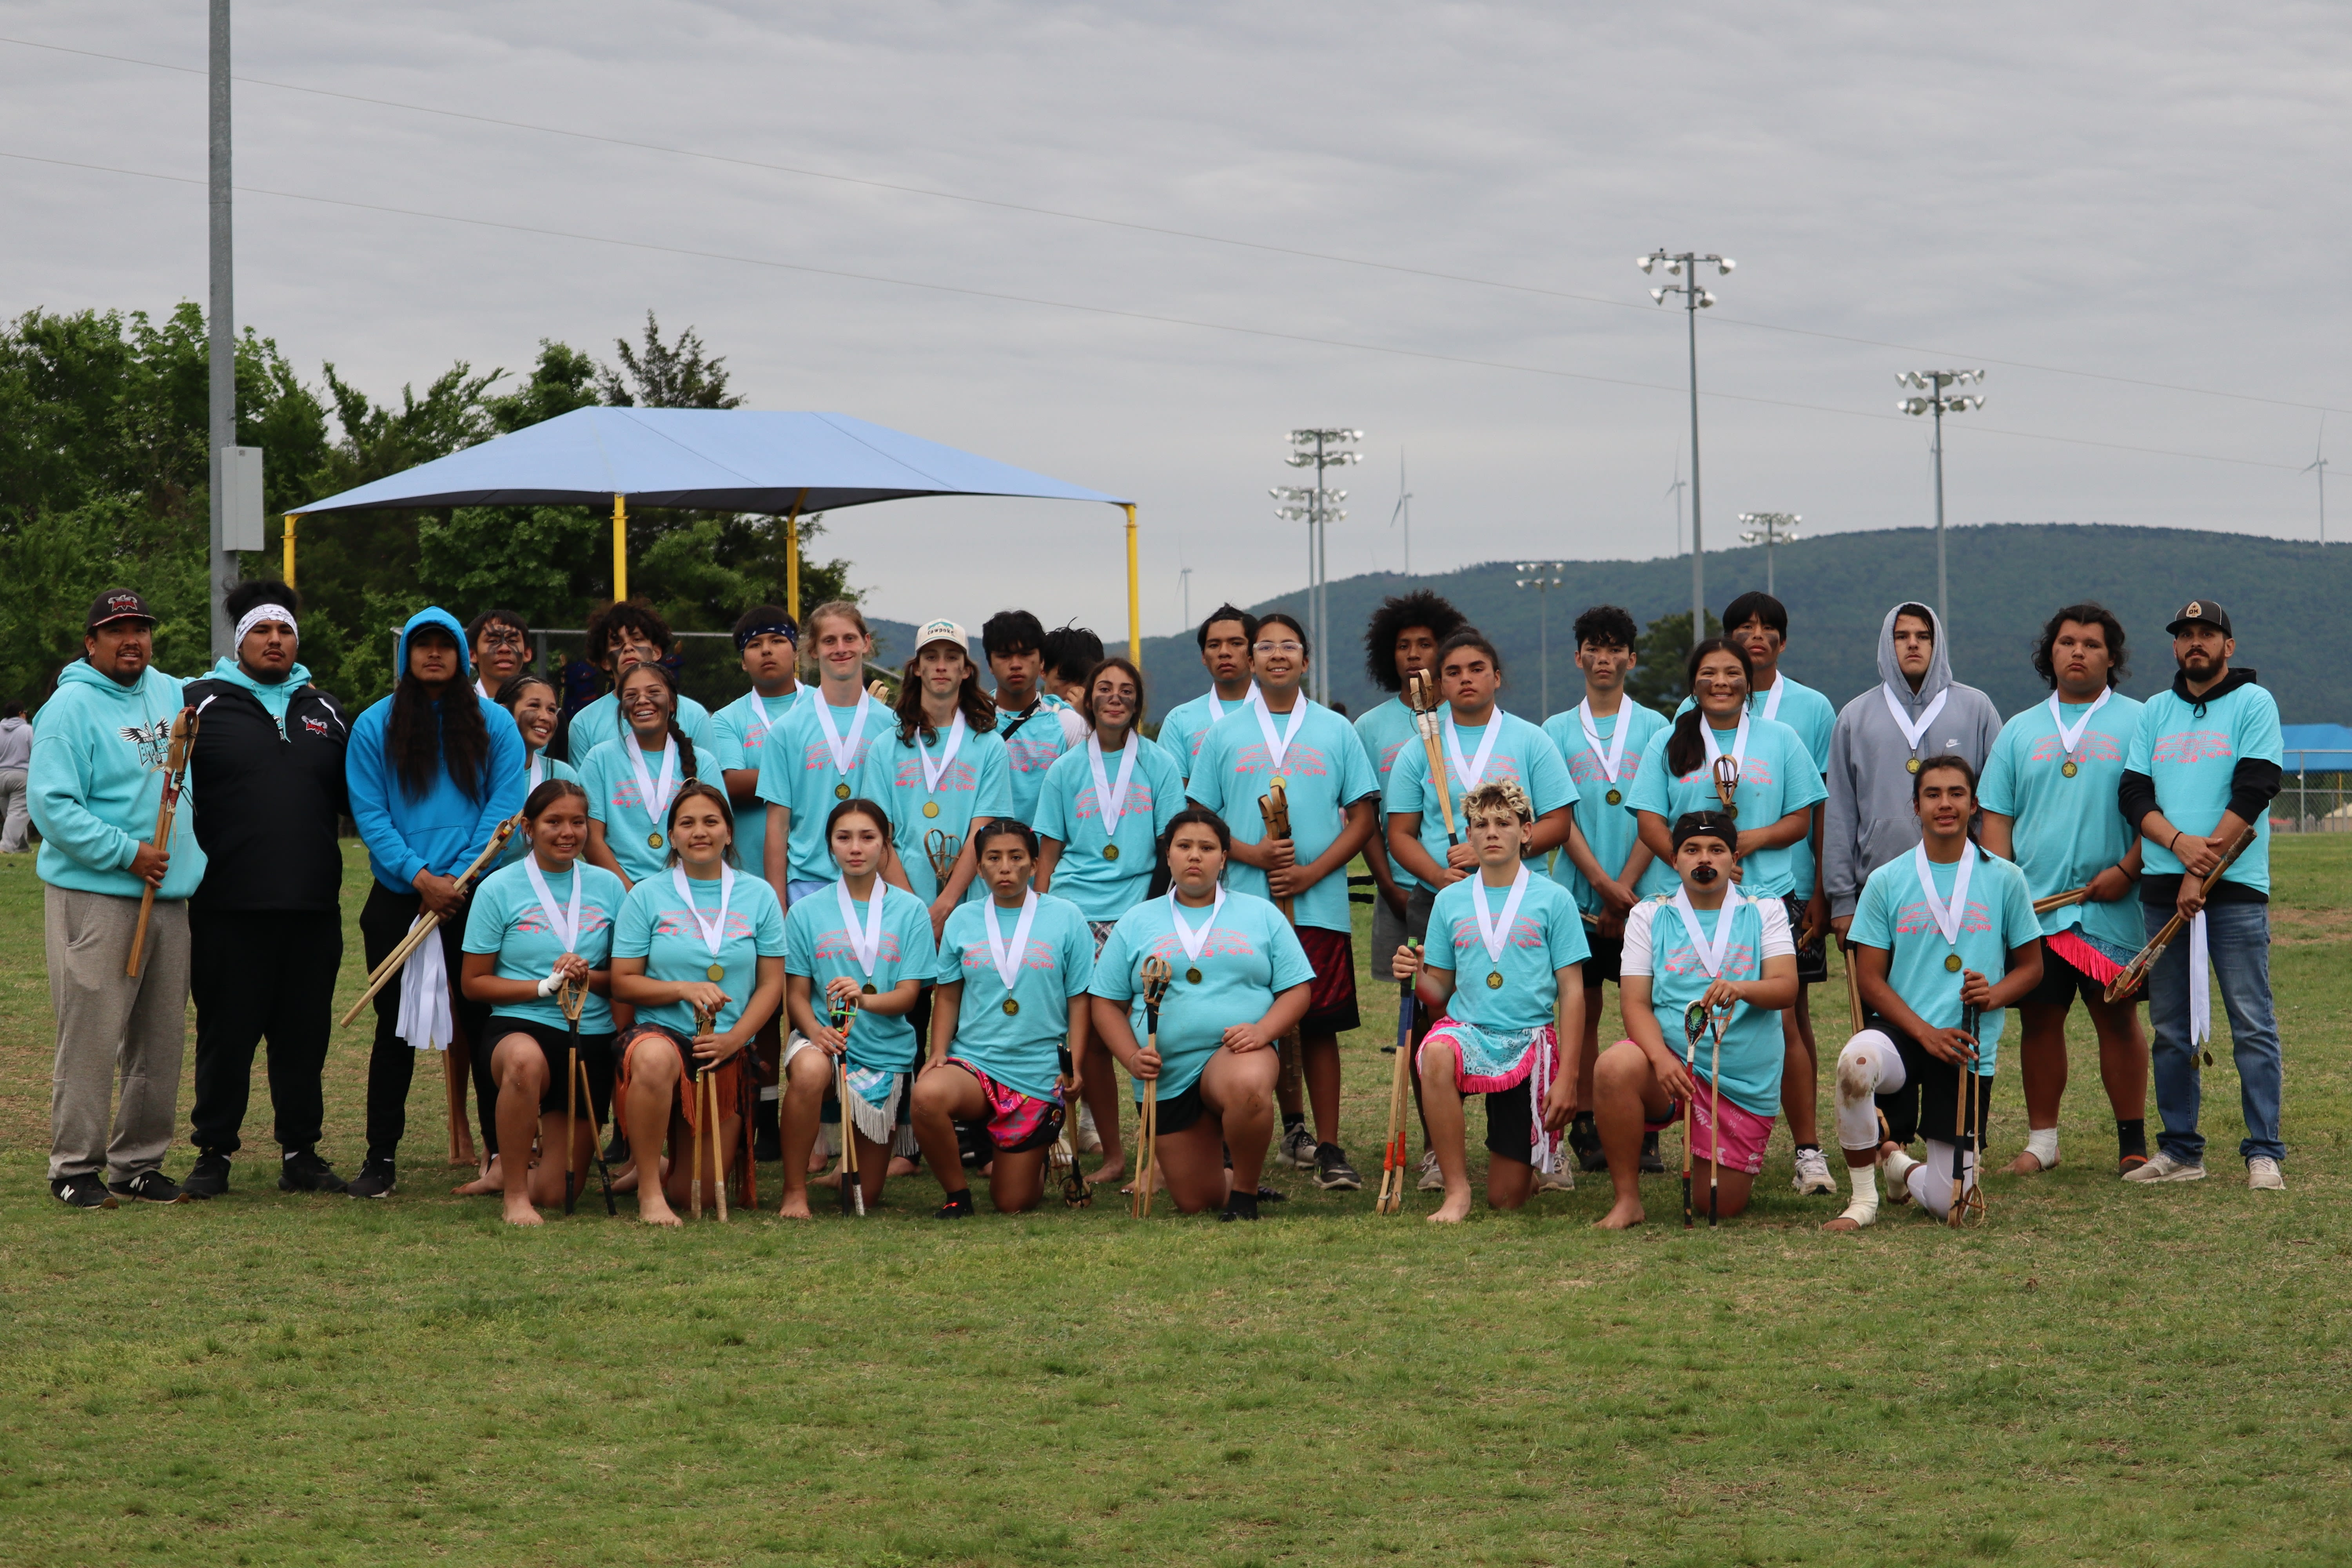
[(1812, 1176), (1560, 1181), (2262, 1175), (2163, 1167), (1433, 1180)]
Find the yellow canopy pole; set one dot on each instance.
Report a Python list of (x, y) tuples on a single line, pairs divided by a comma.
[(792, 557), (620, 549), (1134, 594), (290, 519)]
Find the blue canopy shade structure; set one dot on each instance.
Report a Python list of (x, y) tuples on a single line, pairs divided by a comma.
[(708, 459)]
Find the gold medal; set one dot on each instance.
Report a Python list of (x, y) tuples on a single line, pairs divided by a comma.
[(1110, 851), (841, 790), (653, 840), (1193, 976), (1010, 1006), (1952, 963), (931, 808), (1911, 765), (868, 989), (718, 972), (1615, 797), (1280, 783), (2069, 769), (1493, 980)]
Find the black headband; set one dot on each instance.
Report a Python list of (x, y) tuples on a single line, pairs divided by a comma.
[(1706, 824), (784, 628)]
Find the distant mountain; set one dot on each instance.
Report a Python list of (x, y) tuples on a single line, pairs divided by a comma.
[(2285, 599)]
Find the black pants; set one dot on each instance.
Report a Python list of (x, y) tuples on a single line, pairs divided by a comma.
[(258, 975), (1929, 1103), (384, 919)]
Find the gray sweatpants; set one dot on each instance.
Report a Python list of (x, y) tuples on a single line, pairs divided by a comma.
[(108, 1023), (16, 814)]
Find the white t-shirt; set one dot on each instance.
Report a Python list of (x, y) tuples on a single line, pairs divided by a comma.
[(1636, 959)]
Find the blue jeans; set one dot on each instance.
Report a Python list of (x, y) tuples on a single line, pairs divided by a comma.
[(2239, 936)]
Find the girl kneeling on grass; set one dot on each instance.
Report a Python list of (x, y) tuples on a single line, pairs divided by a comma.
[(1507, 979), (1010, 989), (545, 919), (1234, 958), (701, 939), (859, 951), (1705, 943)]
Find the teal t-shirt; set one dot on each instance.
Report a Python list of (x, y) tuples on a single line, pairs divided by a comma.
[(1777, 776), (1022, 1048), (1610, 830), (1659, 945), (1249, 956), (1386, 732), (1809, 714), (739, 740), (600, 722), (2191, 756), (505, 919), (1032, 743), (1521, 751), (615, 800), (655, 926), (1188, 724), (797, 773), (1893, 914), (2065, 830), (1105, 887), (817, 943), (1547, 934), (1324, 771), (975, 785), (538, 768)]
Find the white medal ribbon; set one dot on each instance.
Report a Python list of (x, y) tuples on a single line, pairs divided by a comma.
[(1476, 769), (714, 929), (1217, 709), (841, 748), (1911, 732), (566, 927), (2201, 982), (1194, 942), (654, 794), (1277, 749), (425, 1021), (1008, 955), (768, 719), (536, 775), (1612, 756), (1946, 918), (932, 775), (1710, 952), (1772, 698), (2070, 739), (1110, 800), (1738, 741), (866, 946), (1497, 933)]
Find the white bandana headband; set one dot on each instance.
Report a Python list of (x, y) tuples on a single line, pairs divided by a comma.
[(260, 613)]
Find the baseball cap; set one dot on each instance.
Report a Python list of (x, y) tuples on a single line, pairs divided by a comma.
[(118, 604), (2204, 610), (943, 631)]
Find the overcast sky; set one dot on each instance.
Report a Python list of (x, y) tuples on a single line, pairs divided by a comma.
[(2145, 193)]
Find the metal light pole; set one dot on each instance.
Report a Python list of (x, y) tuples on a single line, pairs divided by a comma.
[(1933, 383), (1686, 266), (1768, 529), (222, 424), (1544, 580), (1318, 508)]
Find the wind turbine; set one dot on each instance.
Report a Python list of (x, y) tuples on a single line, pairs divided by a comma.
[(1403, 508), (1675, 490), (2318, 465)]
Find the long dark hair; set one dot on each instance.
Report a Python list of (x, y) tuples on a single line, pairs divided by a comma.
[(1419, 609), (628, 733), (419, 743), (1161, 877), (1684, 750), (697, 790), (978, 707)]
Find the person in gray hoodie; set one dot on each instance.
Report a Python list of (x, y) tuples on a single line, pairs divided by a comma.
[(1916, 711), (97, 778), (16, 757)]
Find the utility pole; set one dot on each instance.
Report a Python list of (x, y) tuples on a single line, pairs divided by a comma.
[(1543, 576), (1768, 529), (1318, 508), (1184, 582), (1686, 266), (1933, 383), (220, 428), (1404, 511)]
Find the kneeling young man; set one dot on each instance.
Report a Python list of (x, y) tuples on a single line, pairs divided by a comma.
[(1705, 944), (1928, 927), (1506, 981)]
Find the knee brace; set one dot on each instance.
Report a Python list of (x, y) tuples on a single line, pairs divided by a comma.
[(1868, 1067)]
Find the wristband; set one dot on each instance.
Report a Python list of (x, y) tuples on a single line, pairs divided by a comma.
[(549, 986)]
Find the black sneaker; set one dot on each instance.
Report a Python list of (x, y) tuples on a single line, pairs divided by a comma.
[(209, 1176), (1238, 1206), (1584, 1139), (147, 1187), (1332, 1172), (1266, 1194), (375, 1180), (303, 1172), (616, 1153), (82, 1191), (1651, 1164), (958, 1206)]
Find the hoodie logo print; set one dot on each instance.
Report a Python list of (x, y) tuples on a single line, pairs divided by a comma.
[(153, 740), (315, 726)]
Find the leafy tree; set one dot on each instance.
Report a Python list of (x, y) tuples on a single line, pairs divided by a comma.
[(1660, 680), (666, 376)]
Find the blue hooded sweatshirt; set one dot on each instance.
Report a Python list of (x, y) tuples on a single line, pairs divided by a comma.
[(96, 778), (442, 831)]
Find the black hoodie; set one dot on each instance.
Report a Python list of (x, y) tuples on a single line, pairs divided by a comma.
[(268, 803)]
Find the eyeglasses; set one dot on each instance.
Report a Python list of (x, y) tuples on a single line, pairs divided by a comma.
[(1281, 647)]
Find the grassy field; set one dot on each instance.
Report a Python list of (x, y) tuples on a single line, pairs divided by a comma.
[(2102, 1374)]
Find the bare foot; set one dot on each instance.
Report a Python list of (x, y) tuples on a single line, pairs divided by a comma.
[(625, 1180), (1624, 1214), (1112, 1171), (1844, 1225), (1454, 1210), (2027, 1164), (830, 1180), (818, 1158), (654, 1209), (900, 1166), (796, 1205), (519, 1210), (491, 1181)]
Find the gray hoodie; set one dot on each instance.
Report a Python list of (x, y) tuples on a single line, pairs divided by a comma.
[(1869, 820), (16, 745)]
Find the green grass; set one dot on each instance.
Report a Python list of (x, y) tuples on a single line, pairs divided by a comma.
[(2102, 1374)]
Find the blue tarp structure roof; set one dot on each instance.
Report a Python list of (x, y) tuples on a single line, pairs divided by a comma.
[(709, 459), (2323, 748)]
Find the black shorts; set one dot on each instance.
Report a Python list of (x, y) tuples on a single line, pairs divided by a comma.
[(1608, 953), (2061, 984), (1813, 961), (1510, 1125), (1928, 1103), (555, 1044), (1178, 1112)]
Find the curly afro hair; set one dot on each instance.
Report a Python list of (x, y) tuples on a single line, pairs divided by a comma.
[(1419, 609)]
